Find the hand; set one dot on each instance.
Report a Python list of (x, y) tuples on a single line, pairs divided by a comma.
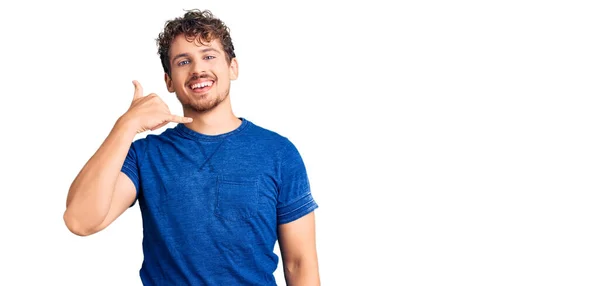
[(149, 112)]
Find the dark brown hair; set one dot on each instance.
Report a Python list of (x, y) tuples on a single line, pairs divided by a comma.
[(196, 25)]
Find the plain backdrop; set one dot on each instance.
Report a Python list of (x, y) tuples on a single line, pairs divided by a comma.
[(447, 142)]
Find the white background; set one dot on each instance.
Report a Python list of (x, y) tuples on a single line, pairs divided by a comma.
[(447, 142)]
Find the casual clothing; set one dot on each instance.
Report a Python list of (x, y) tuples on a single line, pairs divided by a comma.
[(211, 204)]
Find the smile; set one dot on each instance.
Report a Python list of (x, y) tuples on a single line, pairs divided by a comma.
[(201, 86)]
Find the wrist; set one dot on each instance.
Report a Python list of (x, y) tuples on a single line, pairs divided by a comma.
[(126, 125)]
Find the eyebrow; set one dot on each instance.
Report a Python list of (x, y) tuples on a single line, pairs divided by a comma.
[(183, 55)]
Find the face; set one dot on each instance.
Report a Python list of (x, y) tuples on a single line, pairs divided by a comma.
[(200, 74)]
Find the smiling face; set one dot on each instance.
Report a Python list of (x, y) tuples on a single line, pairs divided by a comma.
[(200, 73)]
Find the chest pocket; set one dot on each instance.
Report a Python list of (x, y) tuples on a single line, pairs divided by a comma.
[(237, 197)]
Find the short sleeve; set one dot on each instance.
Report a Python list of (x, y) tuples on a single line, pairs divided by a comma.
[(131, 169), (295, 199)]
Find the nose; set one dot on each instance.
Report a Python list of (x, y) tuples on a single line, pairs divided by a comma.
[(199, 68)]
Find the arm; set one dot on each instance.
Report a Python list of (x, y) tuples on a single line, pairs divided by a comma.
[(91, 193), (100, 192), (297, 243)]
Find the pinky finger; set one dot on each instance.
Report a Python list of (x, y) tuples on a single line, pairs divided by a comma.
[(180, 119)]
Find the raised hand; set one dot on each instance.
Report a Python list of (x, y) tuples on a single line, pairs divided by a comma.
[(149, 112)]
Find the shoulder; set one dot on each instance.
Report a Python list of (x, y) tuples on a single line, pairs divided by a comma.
[(145, 141), (270, 137), (278, 146)]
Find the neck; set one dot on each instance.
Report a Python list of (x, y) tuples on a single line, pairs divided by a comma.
[(214, 122)]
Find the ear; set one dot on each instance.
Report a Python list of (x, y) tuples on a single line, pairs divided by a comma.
[(169, 83), (233, 69)]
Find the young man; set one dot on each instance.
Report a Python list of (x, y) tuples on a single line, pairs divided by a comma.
[(216, 191)]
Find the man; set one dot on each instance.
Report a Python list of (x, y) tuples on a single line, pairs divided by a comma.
[(216, 191)]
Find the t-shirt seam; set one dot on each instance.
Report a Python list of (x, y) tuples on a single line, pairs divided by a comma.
[(299, 198), (296, 209), (139, 163), (280, 159), (245, 126), (312, 205)]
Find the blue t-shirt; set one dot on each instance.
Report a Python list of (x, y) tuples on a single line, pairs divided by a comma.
[(211, 204)]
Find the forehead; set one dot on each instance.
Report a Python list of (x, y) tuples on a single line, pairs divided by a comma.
[(182, 44)]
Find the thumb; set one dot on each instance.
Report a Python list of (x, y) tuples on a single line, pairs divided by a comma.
[(139, 91)]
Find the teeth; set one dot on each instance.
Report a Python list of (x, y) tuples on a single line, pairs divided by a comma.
[(202, 84)]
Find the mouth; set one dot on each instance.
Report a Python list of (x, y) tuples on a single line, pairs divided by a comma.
[(201, 86)]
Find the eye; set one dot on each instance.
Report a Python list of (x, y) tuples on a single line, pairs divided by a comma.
[(183, 62), (209, 57)]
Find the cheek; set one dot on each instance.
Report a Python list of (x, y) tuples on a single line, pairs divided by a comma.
[(223, 74), (178, 81)]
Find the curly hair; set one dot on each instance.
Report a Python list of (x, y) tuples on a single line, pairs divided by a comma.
[(196, 25)]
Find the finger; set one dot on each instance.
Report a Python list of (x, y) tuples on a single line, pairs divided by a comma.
[(139, 91), (179, 119), (159, 126)]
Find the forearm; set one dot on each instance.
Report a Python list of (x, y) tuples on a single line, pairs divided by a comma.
[(90, 194), (301, 272)]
